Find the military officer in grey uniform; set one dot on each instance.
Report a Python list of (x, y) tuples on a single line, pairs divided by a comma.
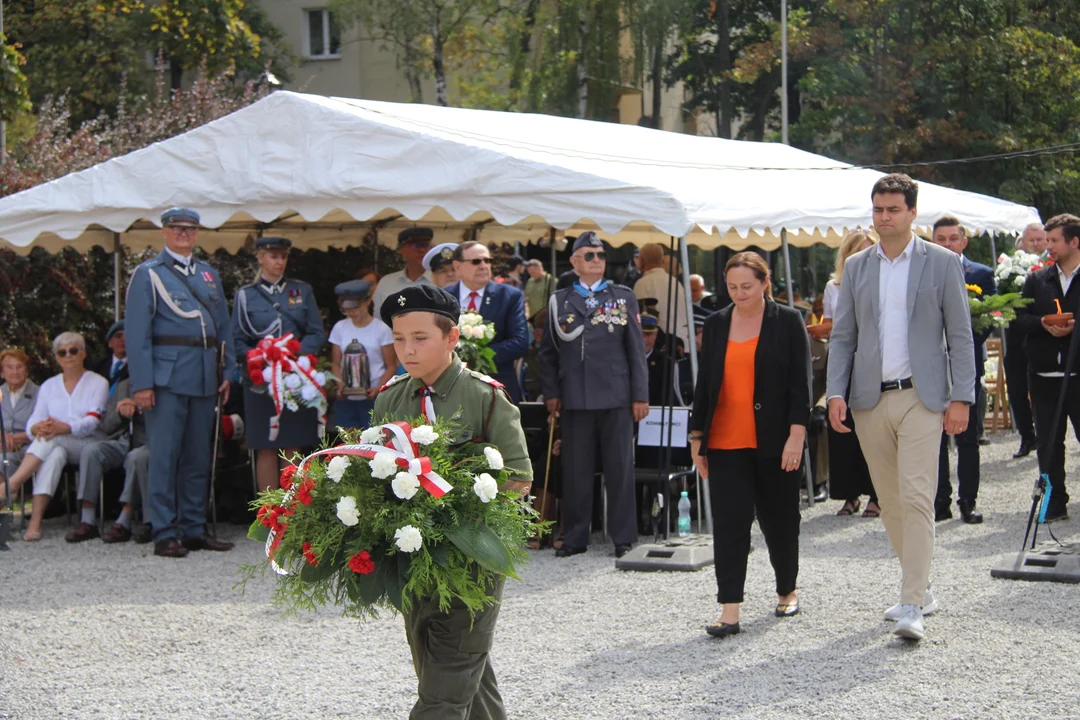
[(177, 321), (594, 376), (274, 306)]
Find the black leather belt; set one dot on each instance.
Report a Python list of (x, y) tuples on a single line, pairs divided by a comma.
[(211, 342), (904, 384)]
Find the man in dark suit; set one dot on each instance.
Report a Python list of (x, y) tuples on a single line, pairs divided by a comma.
[(1016, 365), (950, 234), (1047, 349), (594, 376), (497, 303), (113, 367)]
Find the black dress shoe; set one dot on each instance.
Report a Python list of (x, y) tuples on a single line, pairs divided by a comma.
[(722, 629), (1026, 446), (984, 441), (621, 550), (821, 493), (942, 513), (170, 548), (206, 542), (567, 551), (84, 531), (1057, 511), (970, 515), (142, 533)]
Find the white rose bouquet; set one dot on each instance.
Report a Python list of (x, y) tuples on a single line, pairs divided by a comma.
[(472, 348), (1011, 271), (398, 517)]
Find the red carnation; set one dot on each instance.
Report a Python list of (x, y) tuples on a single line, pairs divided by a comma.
[(309, 555), (287, 477), (293, 347), (361, 563), (256, 377), (314, 361), (267, 516), (273, 354), (303, 492)]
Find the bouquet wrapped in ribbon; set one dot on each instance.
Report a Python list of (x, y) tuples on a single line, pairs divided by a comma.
[(395, 518), (1011, 272), (293, 382), (472, 347), (993, 311)]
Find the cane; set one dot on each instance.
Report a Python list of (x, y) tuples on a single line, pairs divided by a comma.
[(6, 518), (547, 466), (217, 440)]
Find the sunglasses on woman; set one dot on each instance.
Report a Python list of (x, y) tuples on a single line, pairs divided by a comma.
[(590, 256), (64, 352)]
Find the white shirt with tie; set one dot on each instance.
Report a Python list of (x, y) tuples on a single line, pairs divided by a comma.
[(893, 317), (185, 261), (465, 297)]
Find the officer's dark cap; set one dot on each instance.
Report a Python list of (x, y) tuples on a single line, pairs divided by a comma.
[(650, 321), (587, 239), (353, 289), (180, 216), (420, 298), (273, 243), (113, 329), (516, 260), (414, 234)]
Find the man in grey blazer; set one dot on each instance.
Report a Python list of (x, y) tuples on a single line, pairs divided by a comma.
[(901, 356)]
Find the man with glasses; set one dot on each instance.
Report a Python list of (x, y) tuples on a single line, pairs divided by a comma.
[(177, 321), (594, 377), (498, 303), (413, 245)]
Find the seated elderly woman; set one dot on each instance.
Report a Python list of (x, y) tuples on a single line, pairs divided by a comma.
[(17, 396), (65, 419)]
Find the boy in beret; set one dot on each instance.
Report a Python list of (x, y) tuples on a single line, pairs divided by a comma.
[(450, 650)]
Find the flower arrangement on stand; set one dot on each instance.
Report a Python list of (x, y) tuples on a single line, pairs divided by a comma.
[(472, 348), (398, 517), (993, 311), (293, 382)]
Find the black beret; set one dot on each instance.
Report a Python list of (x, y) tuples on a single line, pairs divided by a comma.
[(419, 298), (587, 239), (113, 329), (415, 233), (265, 243)]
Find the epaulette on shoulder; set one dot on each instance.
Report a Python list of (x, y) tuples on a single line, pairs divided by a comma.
[(394, 381), (617, 286), (487, 379), (152, 262), (301, 283)]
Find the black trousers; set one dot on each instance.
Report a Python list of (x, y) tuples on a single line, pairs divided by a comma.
[(740, 484), (1045, 392), (967, 464), (583, 431), (849, 477), (1016, 375)]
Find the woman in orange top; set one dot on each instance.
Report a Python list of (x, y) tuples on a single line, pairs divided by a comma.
[(751, 409)]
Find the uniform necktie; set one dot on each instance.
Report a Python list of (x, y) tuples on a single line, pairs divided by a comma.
[(426, 405), (472, 300), (117, 366)]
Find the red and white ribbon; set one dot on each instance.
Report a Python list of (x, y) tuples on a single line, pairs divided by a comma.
[(275, 353)]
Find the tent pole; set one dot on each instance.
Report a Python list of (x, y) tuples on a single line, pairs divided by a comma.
[(787, 269), (684, 258), (993, 250), (554, 255), (116, 276)]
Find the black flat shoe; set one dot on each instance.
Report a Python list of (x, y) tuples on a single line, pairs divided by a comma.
[(621, 550), (970, 515), (1026, 446), (787, 609), (722, 629), (567, 551)]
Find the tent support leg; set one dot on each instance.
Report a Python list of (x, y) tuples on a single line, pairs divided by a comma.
[(116, 276), (684, 258)]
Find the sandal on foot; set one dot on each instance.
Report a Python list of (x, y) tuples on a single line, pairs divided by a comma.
[(870, 512), (850, 508), (784, 610)]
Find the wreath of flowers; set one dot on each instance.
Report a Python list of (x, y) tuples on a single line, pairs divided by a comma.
[(992, 311), (293, 382), (472, 347), (397, 517)]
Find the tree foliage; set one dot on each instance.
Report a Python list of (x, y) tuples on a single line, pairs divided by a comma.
[(14, 88)]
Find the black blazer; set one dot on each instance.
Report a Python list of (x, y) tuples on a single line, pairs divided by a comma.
[(103, 365), (781, 376), (1045, 352)]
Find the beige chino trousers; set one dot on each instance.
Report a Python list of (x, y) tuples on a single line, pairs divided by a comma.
[(901, 439)]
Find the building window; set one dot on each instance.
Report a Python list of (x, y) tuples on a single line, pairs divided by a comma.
[(323, 34)]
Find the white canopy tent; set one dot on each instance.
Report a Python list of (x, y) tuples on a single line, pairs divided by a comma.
[(325, 171)]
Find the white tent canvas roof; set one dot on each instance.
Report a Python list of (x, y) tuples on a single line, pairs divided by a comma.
[(323, 171)]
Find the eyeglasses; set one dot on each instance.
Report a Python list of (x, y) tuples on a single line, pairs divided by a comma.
[(64, 352), (184, 230), (418, 245), (590, 256), (480, 261)]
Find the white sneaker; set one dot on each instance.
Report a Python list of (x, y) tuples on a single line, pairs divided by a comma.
[(910, 624), (929, 607)]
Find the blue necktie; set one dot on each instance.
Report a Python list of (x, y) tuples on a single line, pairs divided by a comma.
[(113, 382)]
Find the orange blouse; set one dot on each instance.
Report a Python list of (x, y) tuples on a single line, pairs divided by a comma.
[(733, 426)]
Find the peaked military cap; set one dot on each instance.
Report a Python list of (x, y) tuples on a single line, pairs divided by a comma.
[(180, 215), (353, 289), (439, 255), (587, 239), (266, 243), (420, 298), (415, 233), (650, 320), (113, 329)]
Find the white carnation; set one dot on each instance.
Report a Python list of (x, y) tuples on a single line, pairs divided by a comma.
[(308, 393), (292, 381), (320, 378), (383, 465), (335, 470), (405, 485), (485, 487), (494, 458), (408, 539), (268, 374), (304, 362), (372, 436), (347, 512), (424, 435)]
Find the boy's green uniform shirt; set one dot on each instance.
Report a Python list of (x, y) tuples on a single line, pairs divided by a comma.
[(474, 402)]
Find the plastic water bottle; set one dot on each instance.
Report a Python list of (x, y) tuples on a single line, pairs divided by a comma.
[(684, 515)]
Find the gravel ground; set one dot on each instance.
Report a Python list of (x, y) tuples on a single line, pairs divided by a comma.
[(91, 631)]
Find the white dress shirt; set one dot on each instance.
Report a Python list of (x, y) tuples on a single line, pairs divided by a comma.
[(82, 409), (828, 302), (892, 313), (465, 297), (394, 282)]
